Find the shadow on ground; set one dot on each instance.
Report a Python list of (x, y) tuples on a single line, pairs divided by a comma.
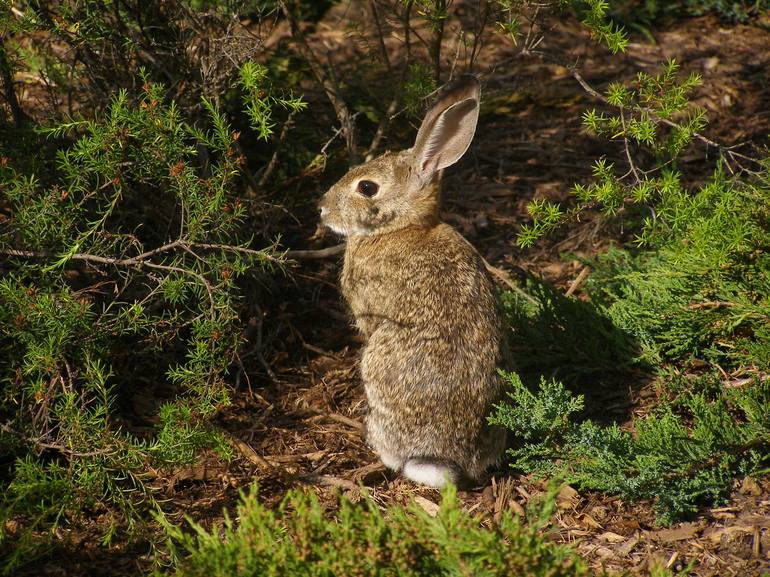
[(571, 340)]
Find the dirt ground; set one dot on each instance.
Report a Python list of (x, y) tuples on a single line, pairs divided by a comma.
[(302, 425)]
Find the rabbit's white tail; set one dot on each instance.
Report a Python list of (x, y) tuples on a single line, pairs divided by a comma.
[(432, 472)]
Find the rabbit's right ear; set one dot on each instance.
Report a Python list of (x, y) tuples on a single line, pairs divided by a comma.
[(448, 128)]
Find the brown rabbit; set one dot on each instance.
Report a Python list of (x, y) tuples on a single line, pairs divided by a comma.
[(421, 295)]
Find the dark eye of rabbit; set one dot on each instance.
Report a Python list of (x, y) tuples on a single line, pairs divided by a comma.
[(368, 188)]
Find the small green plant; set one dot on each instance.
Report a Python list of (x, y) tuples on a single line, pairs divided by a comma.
[(300, 538)]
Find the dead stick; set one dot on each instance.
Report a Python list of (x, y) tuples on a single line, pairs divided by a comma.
[(578, 281)]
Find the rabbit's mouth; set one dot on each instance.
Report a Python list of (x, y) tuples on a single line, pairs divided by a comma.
[(346, 231)]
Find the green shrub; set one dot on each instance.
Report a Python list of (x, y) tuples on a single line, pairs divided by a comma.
[(682, 455), (692, 305), (299, 538), (575, 339), (121, 282)]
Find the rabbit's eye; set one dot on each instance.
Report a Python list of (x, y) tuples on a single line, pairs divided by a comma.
[(368, 188)]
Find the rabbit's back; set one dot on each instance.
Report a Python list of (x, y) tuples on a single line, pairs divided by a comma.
[(429, 278), (429, 309)]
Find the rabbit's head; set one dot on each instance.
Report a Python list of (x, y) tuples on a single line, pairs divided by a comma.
[(400, 189)]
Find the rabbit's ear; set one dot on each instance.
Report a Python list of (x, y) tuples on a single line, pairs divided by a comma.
[(448, 127)]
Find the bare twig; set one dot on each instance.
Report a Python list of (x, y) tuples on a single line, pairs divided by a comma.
[(381, 36), (498, 273), (251, 455), (631, 165), (130, 262), (330, 481), (274, 158), (503, 278), (358, 426), (479, 25), (320, 253), (440, 6), (711, 305), (384, 123)]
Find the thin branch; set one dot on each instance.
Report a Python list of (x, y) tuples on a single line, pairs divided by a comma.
[(505, 280), (52, 446), (141, 258), (330, 481), (581, 277), (704, 139), (440, 6), (274, 158), (631, 164), (320, 253), (381, 36), (10, 92), (130, 262), (329, 87), (498, 273), (231, 248), (390, 113)]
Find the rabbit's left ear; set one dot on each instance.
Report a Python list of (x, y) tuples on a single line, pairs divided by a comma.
[(448, 128)]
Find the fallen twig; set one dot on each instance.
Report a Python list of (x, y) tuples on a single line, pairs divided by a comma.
[(506, 280), (578, 281), (41, 445), (330, 481)]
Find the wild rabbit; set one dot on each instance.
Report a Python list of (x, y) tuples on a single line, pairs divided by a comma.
[(422, 297)]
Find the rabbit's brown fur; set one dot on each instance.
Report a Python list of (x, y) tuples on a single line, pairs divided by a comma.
[(421, 295)]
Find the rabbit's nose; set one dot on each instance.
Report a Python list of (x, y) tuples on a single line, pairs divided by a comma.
[(323, 211)]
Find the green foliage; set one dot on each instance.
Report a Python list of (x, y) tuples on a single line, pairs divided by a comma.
[(299, 539), (261, 98), (417, 86), (683, 454), (97, 291), (595, 16), (693, 305), (704, 294), (641, 120), (704, 304)]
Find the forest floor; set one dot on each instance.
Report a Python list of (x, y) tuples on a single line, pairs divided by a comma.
[(302, 424)]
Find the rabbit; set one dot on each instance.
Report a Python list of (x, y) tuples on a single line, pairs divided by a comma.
[(425, 303)]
